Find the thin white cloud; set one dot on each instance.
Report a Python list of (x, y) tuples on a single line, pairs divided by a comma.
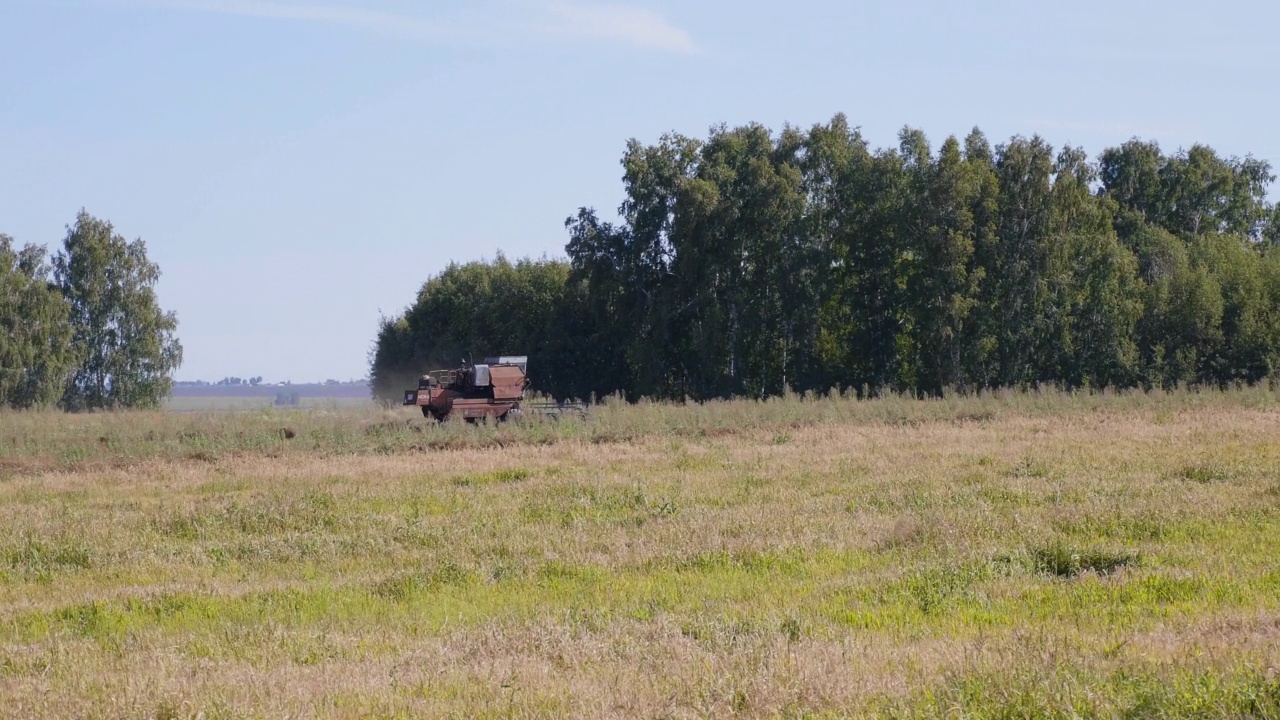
[(370, 20), (634, 26)]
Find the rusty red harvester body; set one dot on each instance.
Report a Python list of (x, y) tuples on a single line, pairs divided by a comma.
[(493, 389)]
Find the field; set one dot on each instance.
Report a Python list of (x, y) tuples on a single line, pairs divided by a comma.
[(1013, 555)]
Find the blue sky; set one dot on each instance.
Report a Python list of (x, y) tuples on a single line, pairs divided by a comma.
[(297, 167)]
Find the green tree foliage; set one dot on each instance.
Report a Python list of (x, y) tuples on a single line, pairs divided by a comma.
[(1200, 228), (499, 308), (1093, 289), (35, 338), (126, 345), (943, 279), (752, 262)]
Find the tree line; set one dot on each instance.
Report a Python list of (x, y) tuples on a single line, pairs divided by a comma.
[(82, 330), (754, 262)]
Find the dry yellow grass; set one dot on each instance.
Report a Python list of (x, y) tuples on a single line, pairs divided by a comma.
[(1008, 556)]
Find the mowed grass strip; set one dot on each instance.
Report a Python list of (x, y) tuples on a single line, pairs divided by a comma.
[(1097, 561)]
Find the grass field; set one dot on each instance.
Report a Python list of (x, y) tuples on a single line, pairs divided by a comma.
[(1004, 556)]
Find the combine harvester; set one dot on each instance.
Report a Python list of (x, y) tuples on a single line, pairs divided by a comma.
[(494, 389)]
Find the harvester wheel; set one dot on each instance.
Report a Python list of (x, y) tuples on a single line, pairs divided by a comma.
[(513, 414)]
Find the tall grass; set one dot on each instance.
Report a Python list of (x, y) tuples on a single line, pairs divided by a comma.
[(47, 440), (1009, 555)]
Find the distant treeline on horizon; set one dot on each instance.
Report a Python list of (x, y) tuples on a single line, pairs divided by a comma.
[(273, 391), (327, 389), (256, 381), (754, 262)]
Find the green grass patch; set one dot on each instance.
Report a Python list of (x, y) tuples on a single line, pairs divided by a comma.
[(1065, 561), (404, 586), (1206, 472), (1031, 690), (495, 477), (39, 559), (258, 515)]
